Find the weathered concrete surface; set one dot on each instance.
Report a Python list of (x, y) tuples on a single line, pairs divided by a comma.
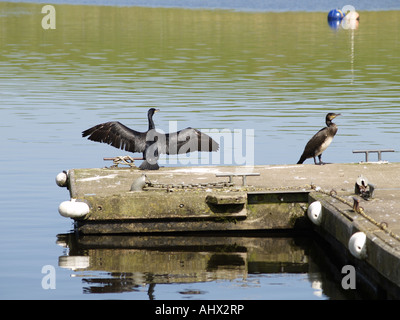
[(97, 183), (107, 190), (199, 206), (339, 176), (87, 183)]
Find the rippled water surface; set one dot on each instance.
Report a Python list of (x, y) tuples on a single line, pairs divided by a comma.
[(277, 73)]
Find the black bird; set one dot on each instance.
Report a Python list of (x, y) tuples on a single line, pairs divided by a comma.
[(151, 143), (320, 141)]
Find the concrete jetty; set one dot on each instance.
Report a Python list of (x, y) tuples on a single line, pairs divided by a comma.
[(364, 227)]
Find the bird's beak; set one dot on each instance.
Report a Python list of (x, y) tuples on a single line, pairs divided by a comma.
[(336, 115), (156, 110)]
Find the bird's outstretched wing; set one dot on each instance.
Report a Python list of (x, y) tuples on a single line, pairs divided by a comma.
[(188, 140), (118, 135)]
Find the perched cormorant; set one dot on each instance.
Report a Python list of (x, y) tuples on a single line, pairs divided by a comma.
[(151, 143), (320, 141)]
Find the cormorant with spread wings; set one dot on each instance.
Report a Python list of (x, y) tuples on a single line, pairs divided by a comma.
[(151, 143)]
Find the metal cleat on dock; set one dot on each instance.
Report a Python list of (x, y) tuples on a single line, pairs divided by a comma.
[(379, 152), (243, 175), (356, 204), (363, 188)]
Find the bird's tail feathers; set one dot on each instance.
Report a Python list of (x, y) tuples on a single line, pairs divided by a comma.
[(148, 166), (302, 159)]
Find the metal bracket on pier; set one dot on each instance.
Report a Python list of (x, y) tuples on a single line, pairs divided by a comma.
[(243, 175), (363, 188), (367, 152)]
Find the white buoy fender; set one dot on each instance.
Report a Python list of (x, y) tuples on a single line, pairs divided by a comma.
[(314, 212), (73, 209), (357, 245), (61, 179)]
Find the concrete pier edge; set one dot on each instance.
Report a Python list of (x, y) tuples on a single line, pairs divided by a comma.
[(381, 265)]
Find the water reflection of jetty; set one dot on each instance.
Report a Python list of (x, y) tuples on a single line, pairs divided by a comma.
[(132, 262)]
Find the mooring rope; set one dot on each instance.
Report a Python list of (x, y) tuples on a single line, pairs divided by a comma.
[(127, 160)]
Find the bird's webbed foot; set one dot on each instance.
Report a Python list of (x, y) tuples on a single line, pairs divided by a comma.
[(320, 163)]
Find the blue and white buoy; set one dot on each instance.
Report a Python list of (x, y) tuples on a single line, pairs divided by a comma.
[(335, 15), (347, 17)]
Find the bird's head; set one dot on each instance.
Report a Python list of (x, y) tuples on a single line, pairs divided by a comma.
[(153, 111), (331, 116)]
